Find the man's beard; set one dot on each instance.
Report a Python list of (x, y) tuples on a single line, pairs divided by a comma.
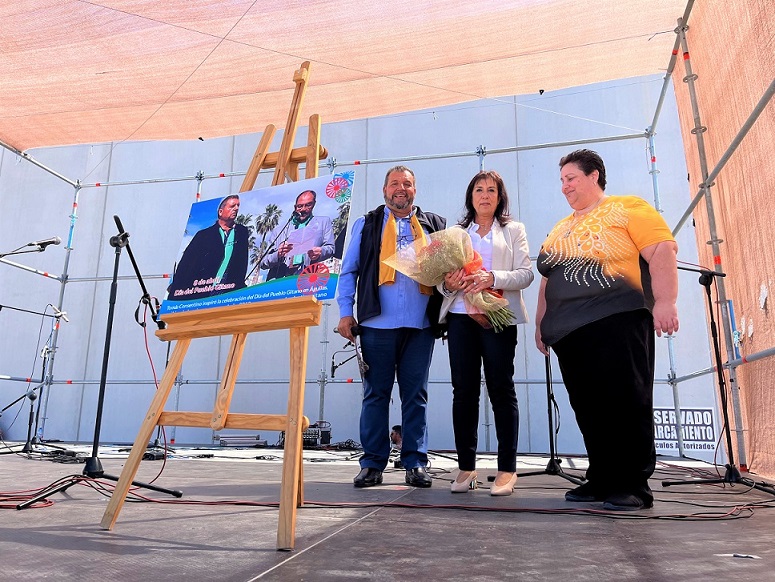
[(399, 204)]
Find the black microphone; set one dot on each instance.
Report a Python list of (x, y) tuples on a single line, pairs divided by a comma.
[(54, 240), (708, 273), (356, 329)]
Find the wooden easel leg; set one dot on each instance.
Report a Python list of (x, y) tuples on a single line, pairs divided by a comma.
[(290, 487), (258, 159), (300, 78), (146, 429), (313, 147), (226, 390)]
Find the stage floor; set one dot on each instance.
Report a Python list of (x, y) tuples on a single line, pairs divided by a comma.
[(224, 527)]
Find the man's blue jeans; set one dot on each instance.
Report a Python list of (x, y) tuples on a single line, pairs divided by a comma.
[(403, 353)]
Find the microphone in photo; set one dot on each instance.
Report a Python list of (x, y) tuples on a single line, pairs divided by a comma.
[(54, 240)]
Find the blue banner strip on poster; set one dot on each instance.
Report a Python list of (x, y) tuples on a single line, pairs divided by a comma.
[(276, 289)]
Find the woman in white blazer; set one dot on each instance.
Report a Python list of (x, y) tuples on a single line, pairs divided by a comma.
[(502, 243)]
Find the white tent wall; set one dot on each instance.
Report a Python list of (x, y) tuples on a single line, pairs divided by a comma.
[(38, 205)]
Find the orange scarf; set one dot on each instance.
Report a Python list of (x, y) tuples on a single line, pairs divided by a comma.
[(387, 275)]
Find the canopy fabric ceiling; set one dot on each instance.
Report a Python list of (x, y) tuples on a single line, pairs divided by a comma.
[(74, 71)]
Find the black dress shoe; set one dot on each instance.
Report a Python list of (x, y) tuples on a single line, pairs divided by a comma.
[(626, 502), (368, 477), (585, 493), (418, 477)]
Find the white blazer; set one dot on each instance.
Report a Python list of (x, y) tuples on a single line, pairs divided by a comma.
[(511, 268)]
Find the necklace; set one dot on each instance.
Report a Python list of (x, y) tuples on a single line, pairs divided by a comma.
[(578, 219), (484, 228)]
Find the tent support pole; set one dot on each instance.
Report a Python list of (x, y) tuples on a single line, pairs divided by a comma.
[(715, 243)]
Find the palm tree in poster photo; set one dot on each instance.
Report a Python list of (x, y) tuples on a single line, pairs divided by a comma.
[(340, 229), (264, 225)]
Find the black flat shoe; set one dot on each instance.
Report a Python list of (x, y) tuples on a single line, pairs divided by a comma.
[(368, 478), (418, 477)]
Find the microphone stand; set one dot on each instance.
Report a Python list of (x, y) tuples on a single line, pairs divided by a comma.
[(553, 467), (146, 298), (271, 246), (731, 473), (334, 365), (32, 440), (32, 396), (93, 468), (19, 251), (32, 436), (363, 367), (38, 248), (153, 307)]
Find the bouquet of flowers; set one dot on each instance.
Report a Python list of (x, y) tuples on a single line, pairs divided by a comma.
[(450, 250)]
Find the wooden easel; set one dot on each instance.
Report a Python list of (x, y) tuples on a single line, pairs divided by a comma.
[(296, 314)]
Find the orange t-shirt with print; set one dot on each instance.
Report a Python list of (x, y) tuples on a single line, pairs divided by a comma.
[(593, 264)]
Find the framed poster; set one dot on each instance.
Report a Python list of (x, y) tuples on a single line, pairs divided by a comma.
[(270, 243)]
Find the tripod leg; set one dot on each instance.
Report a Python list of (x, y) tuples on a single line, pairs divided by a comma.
[(693, 482), (49, 491), (27, 448), (173, 492), (553, 467), (731, 476), (93, 470)]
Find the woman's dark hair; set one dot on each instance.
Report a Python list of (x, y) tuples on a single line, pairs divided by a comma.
[(588, 161), (501, 210)]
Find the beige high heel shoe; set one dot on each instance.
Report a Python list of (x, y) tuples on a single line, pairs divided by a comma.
[(462, 486), (506, 488)]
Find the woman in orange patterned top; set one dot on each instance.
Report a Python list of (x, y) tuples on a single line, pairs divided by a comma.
[(609, 281)]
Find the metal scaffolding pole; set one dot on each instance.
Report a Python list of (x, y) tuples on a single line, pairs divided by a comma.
[(673, 381), (736, 363), (332, 163), (670, 67), (48, 380), (715, 242), (34, 162), (654, 172), (757, 111), (323, 376)]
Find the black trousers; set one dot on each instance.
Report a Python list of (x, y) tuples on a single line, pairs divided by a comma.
[(470, 347), (608, 369)]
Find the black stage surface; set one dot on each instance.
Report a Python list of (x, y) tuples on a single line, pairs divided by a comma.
[(224, 528)]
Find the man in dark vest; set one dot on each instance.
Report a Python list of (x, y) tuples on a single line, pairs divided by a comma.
[(216, 259), (396, 318)]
